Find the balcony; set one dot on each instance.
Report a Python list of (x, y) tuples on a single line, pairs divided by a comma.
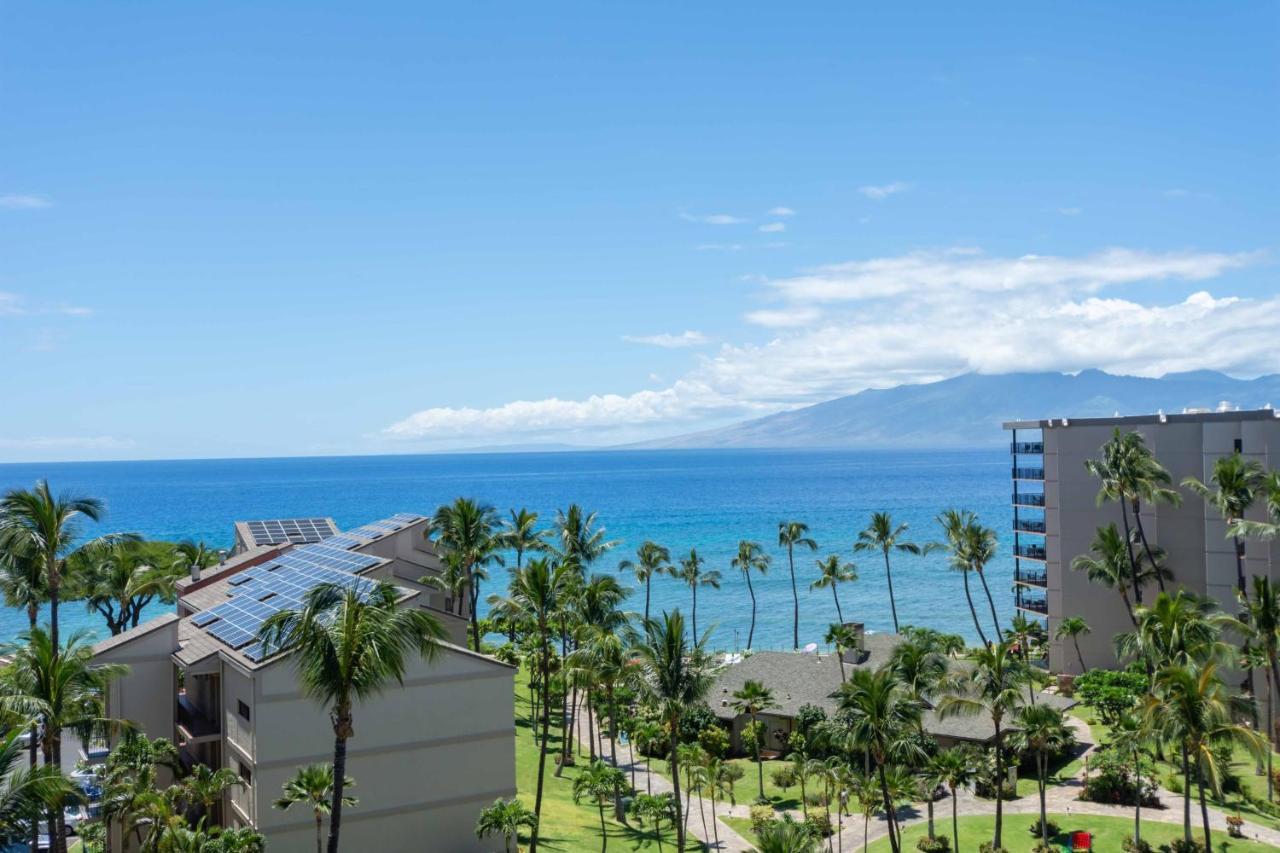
[(193, 723), (1028, 499), (1039, 579), (1029, 525), (1027, 447), (1035, 605), (1028, 473), (1030, 552)]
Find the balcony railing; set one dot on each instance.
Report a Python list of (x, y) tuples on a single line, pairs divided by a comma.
[(1028, 473), (1027, 447), (1029, 525), (1028, 499), (194, 721), (1032, 578), (1032, 552), (1038, 605)]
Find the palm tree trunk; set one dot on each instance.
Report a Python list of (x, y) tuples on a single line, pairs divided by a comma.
[(759, 764), (319, 831), (1042, 762), (566, 748), (840, 662), (992, 604), (1075, 641), (795, 603), (1186, 796), (715, 830), (342, 729), (694, 586), (888, 808), (613, 752), (804, 797), (955, 823), (591, 729), (751, 632), (836, 596), (1133, 559), (675, 782), (999, 782), (1146, 547), (1204, 811), (648, 584), (55, 585), (1137, 809), (893, 604), (972, 611), (546, 725)]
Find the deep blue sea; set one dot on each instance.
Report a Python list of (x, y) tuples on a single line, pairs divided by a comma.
[(683, 499)]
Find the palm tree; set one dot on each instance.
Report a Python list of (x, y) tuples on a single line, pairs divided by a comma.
[(22, 577), (842, 637), (1130, 474), (1131, 735), (581, 542), (651, 559), (754, 699), (537, 592), (793, 534), (505, 817), (865, 790), (1262, 626), (751, 557), (1190, 707), (118, 579), (312, 786), (956, 525), (674, 677), (884, 717), (785, 836), (694, 576), (25, 793), (884, 536), (992, 687), (832, 573), (520, 533), (195, 556), (598, 782), (64, 688), (47, 526), (347, 645), (1073, 627), (1178, 629), (470, 530), (1237, 482), (453, 581), (956, 768), (1042, 731), (1108, 564)]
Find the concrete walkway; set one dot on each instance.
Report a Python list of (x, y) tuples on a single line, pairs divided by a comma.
[(1060, 799)]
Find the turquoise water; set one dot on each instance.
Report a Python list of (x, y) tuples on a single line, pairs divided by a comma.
[(683, 499)]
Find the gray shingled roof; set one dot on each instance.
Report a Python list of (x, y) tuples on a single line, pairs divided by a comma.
[(809, 679)]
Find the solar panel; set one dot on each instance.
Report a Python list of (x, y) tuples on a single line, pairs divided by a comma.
[(297, 531)]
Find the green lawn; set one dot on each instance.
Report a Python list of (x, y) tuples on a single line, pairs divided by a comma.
[(1108, 832), (567, 825)]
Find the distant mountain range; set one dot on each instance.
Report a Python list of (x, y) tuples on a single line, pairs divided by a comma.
[(966, 411)]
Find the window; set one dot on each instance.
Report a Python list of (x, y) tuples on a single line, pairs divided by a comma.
[(245, 773), (1239, 445), (243, 709)]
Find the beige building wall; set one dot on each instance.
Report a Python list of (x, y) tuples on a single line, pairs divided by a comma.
[(1193, 535)]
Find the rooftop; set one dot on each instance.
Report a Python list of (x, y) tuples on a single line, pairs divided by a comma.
[(281, 531), (1187, 416)]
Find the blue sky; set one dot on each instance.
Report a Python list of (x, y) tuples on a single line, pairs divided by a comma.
[(277, 229)]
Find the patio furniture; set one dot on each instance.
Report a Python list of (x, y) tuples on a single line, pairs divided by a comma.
[(1081, 842)]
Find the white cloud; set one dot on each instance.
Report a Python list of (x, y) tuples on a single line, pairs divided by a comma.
[(20, 201), (917, 318), (719, 247), (773, 227), (58, 442), (877, 193), (1071, 211), (14, 305), (713, 218), (781, 211), (666, 340)]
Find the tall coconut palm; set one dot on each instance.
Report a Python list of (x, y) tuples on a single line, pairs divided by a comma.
[(1042, 731), (693, 574), (955, 526), (792, 535), (1131, 736), (1236, 484), (1027, 634), (994, 688), (924, 670), (651, 559), (1189, 706), (470, 529), (348, 645), (520, 534), (883, 717), (882, 535), (1072, 628), (1261, 625), (1179, 630), (26, 792), (673, 676), (753, 699), (538, 591), (579, 539), (22, 577), (843, 637), (1108, 564), (47, 525), (118, 579), (195, 556), (831, 573), (956, 768), (598, 782), (981, 549), (751, 558), (64, 688), (312, 786), (1131, 474)]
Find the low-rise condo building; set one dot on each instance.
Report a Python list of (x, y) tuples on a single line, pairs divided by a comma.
[(427, 755), (1056, 515)]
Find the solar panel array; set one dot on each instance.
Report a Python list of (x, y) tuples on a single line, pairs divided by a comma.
[(298, 531), (283, 583)]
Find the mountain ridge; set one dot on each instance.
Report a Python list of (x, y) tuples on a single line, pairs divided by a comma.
[(967, 410)]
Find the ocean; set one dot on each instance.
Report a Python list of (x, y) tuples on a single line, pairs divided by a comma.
[(682, 499)]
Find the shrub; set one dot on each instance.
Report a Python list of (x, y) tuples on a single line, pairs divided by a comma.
[(937, 844), (990, 847), (809, 716), (1128, 845), (1034, 828), (1181, 845), (752, 733), (1234, 826), (1174, 783), (819, 825), (1041, 847), (1112, 780), (715, 740), (694, 720), (1111, 692), (783, 777), (761, 816)]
